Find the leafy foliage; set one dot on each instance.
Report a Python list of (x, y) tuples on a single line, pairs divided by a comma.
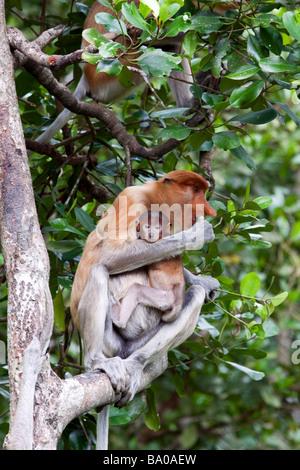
[(233, 384)]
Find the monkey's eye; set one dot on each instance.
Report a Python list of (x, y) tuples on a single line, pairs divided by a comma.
[(196, 189)]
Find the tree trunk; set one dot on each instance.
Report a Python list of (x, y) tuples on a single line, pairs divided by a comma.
[(41, 404), (30, 309)]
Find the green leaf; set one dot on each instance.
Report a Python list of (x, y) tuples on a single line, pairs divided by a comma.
[(136, 407), (78, 440), (89, 207), (246, 71), (216, 63), (291, 22), (180, 24), (64, 226), (111, 23), (250, 285), (156, 62), (245, 95), (110, 49), (152, 5), (169, 113), (59, 311), (127, 414), (258, 117), (174, 132), (125, 77), (270, 328), (278, 65), (272, 39), (84, 219), (151, 416), (133, 16), (179, 385), (91, 58), (256, 353), (118, 416), (110, 66), (247, 192), (279, 298), (189, 43), (256, 50), (253, 374), (226, 140), (108, 167), (289, 112), (263, 201), (211, 100), (206, 24), (93, 36), (169, 8), (62, 246), (241, 154), (204, 325)]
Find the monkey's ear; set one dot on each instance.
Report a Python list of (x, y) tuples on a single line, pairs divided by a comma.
[(167, 180)]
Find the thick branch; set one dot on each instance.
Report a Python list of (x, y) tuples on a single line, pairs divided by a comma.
[(58, 401), (50, 151), (32, 50)]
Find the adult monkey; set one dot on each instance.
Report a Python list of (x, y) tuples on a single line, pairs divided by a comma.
[(110, 265), (106, 89)]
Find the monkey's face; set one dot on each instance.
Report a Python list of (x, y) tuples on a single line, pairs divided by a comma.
[(152, 226), (150, 232), (185, 192)]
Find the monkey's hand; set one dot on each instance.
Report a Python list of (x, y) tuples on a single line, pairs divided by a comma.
[(116, 371), (208, 283), (201, 232)]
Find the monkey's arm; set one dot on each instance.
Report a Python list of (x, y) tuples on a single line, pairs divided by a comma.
[(137, 253), (208, 283)]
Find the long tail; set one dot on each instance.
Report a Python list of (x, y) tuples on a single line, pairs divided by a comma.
[(102, 429), (64, 116)]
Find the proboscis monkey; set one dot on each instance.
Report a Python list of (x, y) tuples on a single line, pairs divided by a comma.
[(106, 89), (114, 259), (166, 278)]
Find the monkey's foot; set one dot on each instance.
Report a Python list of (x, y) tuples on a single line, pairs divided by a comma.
[(116, 371), (134, 370)]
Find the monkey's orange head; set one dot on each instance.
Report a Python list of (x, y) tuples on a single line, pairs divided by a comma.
[(186, 187)]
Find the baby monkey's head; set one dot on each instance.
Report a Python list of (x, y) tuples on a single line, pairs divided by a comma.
[(152, 226)]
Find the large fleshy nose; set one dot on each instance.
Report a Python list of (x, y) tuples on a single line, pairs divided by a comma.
[(208, 210)]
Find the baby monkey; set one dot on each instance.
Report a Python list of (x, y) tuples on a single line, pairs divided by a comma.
[(166, 277)]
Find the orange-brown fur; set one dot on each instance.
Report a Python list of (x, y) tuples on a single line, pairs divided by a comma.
[(102, 81), (179, 190)]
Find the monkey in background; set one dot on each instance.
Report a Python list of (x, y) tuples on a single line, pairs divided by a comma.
[(106, 89), (166, 277)]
